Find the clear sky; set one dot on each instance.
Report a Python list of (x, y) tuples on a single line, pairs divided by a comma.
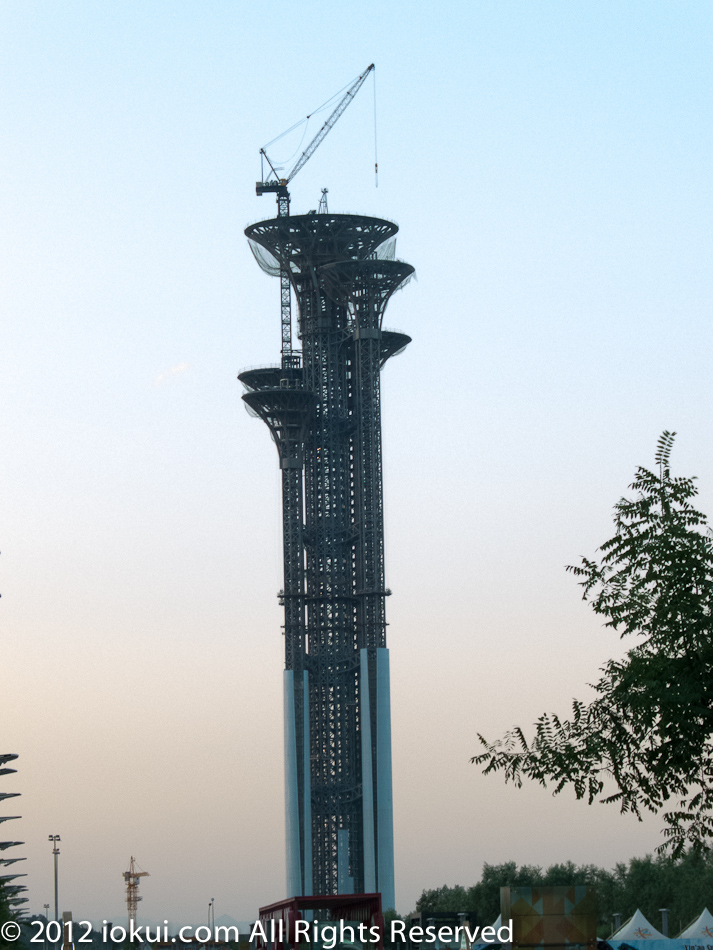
[(549, 164)]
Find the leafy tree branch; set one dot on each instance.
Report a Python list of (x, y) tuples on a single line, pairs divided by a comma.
[(646, 740)]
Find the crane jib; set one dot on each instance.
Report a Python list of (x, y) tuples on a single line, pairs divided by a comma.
[(279, 186)]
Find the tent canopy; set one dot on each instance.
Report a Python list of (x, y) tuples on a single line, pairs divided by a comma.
[(637, 928), (496, 926), (700, 929)]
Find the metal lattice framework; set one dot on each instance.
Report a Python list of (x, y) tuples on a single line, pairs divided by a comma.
[(325, 417)]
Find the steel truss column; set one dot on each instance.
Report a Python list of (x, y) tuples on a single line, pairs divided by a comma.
[(278, 398), (365, 286), (330, 592)]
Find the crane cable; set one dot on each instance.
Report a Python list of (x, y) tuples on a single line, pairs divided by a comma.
[(310, 114), (287, 161), (376, 160)]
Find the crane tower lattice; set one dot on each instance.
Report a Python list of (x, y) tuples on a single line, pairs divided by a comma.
[(132, 878)]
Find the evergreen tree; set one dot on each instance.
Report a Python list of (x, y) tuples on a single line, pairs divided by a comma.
[(5, 915)]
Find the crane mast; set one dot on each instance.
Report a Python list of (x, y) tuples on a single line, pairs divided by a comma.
[(278, 186), (132, 878)]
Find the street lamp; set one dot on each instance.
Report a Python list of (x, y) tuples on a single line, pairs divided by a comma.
[(55, 851)]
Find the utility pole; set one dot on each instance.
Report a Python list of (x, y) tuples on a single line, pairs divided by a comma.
[(55, 851)]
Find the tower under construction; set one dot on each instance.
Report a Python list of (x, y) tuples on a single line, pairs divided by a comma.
[(322, 405)]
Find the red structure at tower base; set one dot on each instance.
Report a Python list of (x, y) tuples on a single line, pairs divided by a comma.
[(286, 927)]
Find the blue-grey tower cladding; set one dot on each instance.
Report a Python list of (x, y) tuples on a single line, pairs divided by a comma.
[(322, 405)]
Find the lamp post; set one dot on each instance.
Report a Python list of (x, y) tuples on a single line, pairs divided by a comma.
[(55, 851)]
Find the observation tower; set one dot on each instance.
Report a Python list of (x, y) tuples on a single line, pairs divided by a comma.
[(322, 405)]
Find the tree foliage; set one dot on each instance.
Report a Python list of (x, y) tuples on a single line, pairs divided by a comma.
[(484, 897), (683, 885), (5, 913), (646, 740), (4, 909)]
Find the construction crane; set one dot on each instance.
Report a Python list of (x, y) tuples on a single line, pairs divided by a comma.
[(132, 878), (278, 186)]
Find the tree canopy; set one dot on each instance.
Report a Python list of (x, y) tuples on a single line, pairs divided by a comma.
[(683, 885), (646, 740)]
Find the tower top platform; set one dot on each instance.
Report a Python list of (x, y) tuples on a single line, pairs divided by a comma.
[(308, 240)]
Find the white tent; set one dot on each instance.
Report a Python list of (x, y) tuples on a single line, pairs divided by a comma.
[(637, 928), (479, 943), (701, 929)]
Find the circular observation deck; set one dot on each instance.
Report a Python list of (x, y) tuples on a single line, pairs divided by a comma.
[(258, 378), (342, 280), (392, 343), (311, 240)]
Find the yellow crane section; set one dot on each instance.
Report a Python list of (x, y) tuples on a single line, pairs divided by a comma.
[(132, 878)]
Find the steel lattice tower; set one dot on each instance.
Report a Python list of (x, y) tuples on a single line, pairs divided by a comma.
[(324, 413)]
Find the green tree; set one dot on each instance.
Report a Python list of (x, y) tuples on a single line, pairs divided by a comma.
[(4, 909), (683, 885), (485, 895), (646, 740), (442, 899), (5, 915)]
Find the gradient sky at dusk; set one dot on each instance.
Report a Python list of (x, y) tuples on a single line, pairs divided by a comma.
[(549, 165)]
